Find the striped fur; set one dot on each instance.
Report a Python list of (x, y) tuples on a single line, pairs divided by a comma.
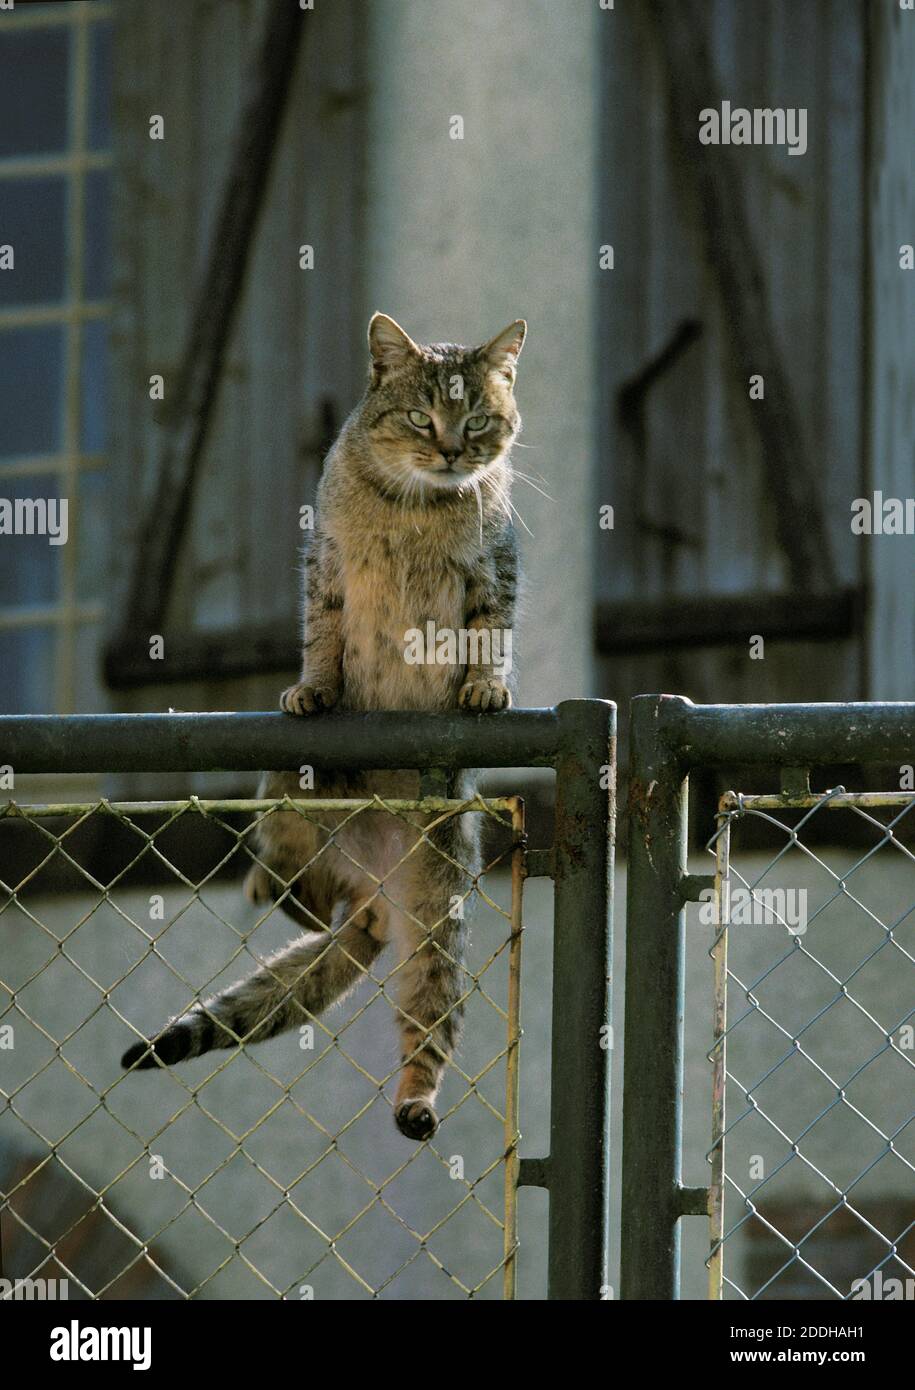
[(414, 526)]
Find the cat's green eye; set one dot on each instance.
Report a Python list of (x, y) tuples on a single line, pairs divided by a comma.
[(477, 422), (419, 418)]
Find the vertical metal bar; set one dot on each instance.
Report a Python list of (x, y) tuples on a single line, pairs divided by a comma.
[(582, 942), (78, 140), (653, 1053), (719, 955), (512, 1130)]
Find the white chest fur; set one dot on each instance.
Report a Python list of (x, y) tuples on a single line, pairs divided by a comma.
[(390, 593)]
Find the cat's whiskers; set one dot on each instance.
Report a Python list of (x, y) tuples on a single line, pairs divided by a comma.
[(522, 477), (507, 504), (474, 483), (539, 476)]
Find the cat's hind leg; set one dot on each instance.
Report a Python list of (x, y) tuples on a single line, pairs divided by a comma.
[(431, 979), (292, 865)]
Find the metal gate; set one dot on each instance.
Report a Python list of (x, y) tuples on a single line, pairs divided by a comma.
[(786, 1099), (94, 965), (808, 1002)]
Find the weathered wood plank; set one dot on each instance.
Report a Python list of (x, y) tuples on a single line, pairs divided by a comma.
[(636, 625), (249, 650), (191, 400), (732, 252)]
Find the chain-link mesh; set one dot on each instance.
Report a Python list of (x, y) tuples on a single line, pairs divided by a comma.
[(272, 1170), (813, 1092)]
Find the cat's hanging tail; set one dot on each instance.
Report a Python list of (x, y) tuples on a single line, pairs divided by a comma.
[(290, 988)]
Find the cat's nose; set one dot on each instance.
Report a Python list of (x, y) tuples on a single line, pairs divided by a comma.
[(450, 454)]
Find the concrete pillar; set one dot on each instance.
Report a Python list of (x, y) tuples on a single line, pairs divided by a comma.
[(464, 235)]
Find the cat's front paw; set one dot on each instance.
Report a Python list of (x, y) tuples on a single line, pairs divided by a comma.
[(308, 699), (490, 693)]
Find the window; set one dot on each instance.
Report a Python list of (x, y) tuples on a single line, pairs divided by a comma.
[(55, 198)]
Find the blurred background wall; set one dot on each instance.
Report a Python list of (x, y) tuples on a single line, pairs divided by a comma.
[(731, 517), (635, 389)]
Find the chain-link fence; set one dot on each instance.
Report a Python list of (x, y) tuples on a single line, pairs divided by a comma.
[(812, 1192), (271, 1166), (267, 1169), (805, 1116)]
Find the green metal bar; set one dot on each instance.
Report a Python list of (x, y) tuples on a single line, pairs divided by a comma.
[(653, 1054), (539, 863), (786, 735), (582, 943), (693, 1201), (280, 742), (533, 1172)]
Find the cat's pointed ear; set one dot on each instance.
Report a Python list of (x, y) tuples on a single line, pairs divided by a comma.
[(502, 351), (389, 345)]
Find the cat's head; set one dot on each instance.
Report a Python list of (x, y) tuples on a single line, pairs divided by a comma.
[(439, 416)]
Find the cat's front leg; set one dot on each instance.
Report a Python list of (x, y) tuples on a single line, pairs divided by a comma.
[(322, 650), (489, 621)]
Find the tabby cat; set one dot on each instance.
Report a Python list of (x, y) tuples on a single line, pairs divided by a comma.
[(413, 526)]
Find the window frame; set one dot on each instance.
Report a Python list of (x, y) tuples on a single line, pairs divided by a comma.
[(69, 614)]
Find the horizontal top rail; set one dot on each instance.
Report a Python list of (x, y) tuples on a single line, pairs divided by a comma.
[(188, 742), (312, 806), (782, 735)]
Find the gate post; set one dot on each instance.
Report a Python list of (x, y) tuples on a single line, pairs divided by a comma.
[(653, 1052), (581, 1042)]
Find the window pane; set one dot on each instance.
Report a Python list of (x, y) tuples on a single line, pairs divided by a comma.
[(27, 671), (100, 86), (94, 531), (30, 565), (97, 262), (32, 221), (31, 376), (95, 387), (33, 93)]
